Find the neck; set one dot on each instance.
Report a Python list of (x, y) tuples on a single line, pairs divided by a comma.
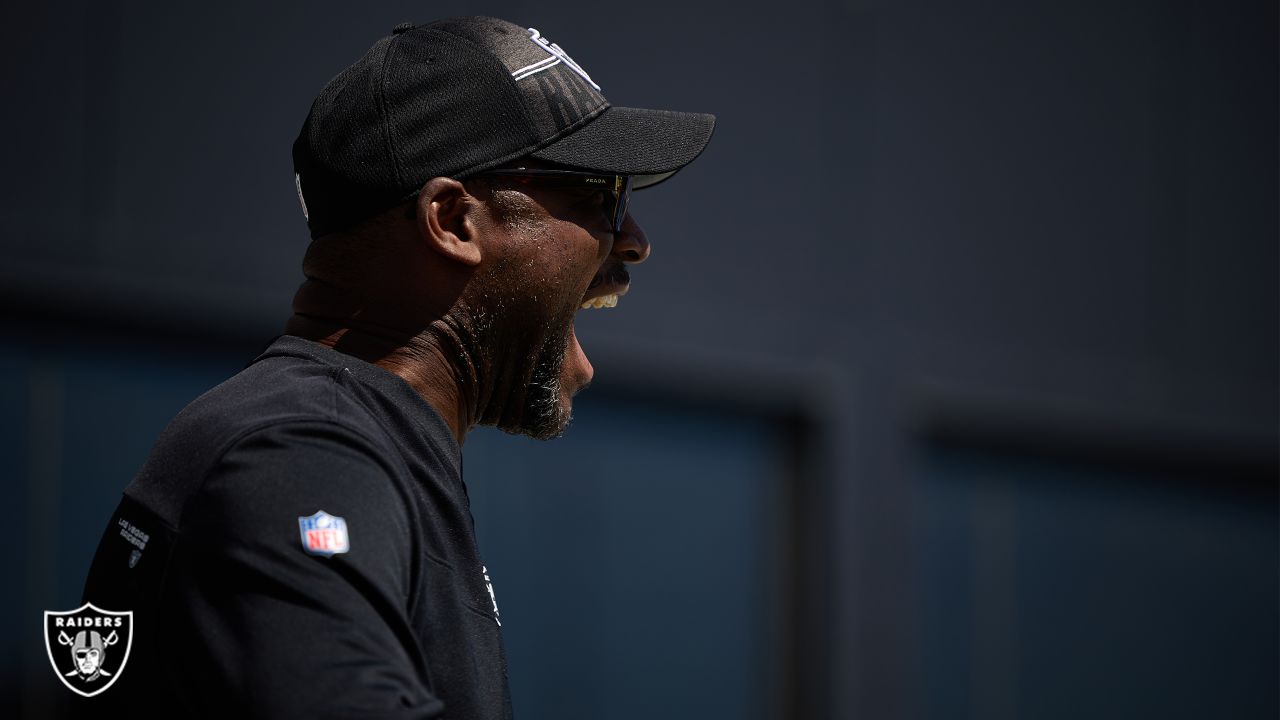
[(434, 362)]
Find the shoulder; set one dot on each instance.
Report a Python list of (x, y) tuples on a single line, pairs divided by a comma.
[(256, 501), (284, 409), (307, 449)]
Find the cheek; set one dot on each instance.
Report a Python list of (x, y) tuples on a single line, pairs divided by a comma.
[(568, 258), (590, 252), (544, 274)]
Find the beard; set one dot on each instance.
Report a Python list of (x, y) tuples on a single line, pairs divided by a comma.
[(543, 412), (524, 357), (524, 361), (545, 415)]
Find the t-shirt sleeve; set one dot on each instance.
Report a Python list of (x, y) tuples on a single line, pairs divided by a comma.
[(278, 612)]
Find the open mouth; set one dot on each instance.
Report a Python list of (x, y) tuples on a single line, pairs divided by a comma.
[(606, 288), (605, 301), (604, 291)]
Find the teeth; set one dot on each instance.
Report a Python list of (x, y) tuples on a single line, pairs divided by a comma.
[(604, 301)]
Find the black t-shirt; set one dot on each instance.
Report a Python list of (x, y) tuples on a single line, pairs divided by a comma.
[(309, 553)]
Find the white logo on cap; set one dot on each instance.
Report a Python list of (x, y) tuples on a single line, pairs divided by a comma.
[(297, 182), (557, 56)]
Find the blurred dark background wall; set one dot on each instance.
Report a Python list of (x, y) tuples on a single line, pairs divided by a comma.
[(949, 391)]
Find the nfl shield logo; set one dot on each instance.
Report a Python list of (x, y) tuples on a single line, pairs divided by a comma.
[(88, 647), (324, 534)]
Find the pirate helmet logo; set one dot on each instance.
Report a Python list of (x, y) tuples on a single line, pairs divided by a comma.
[(88, 646)]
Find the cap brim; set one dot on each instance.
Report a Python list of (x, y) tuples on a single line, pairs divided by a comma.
[(651, 145)]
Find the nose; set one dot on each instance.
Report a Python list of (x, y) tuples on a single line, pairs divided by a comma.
[(630, 244)]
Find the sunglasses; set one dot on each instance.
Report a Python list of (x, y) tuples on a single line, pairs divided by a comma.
[(617, 187)]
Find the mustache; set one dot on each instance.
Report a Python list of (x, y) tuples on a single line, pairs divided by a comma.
[(614, 275)]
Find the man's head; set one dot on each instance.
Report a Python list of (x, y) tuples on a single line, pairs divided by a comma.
[(88, 651), (466, 186)]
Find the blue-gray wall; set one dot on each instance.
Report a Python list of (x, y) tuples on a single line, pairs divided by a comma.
[(970, 308)]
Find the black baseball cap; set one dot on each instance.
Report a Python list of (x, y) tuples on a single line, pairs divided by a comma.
[(459, 96)]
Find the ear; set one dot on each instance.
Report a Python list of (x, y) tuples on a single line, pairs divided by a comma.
[(446, 220)]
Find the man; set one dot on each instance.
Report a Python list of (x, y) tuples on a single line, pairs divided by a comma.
[(306, 544), (88, 650)]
